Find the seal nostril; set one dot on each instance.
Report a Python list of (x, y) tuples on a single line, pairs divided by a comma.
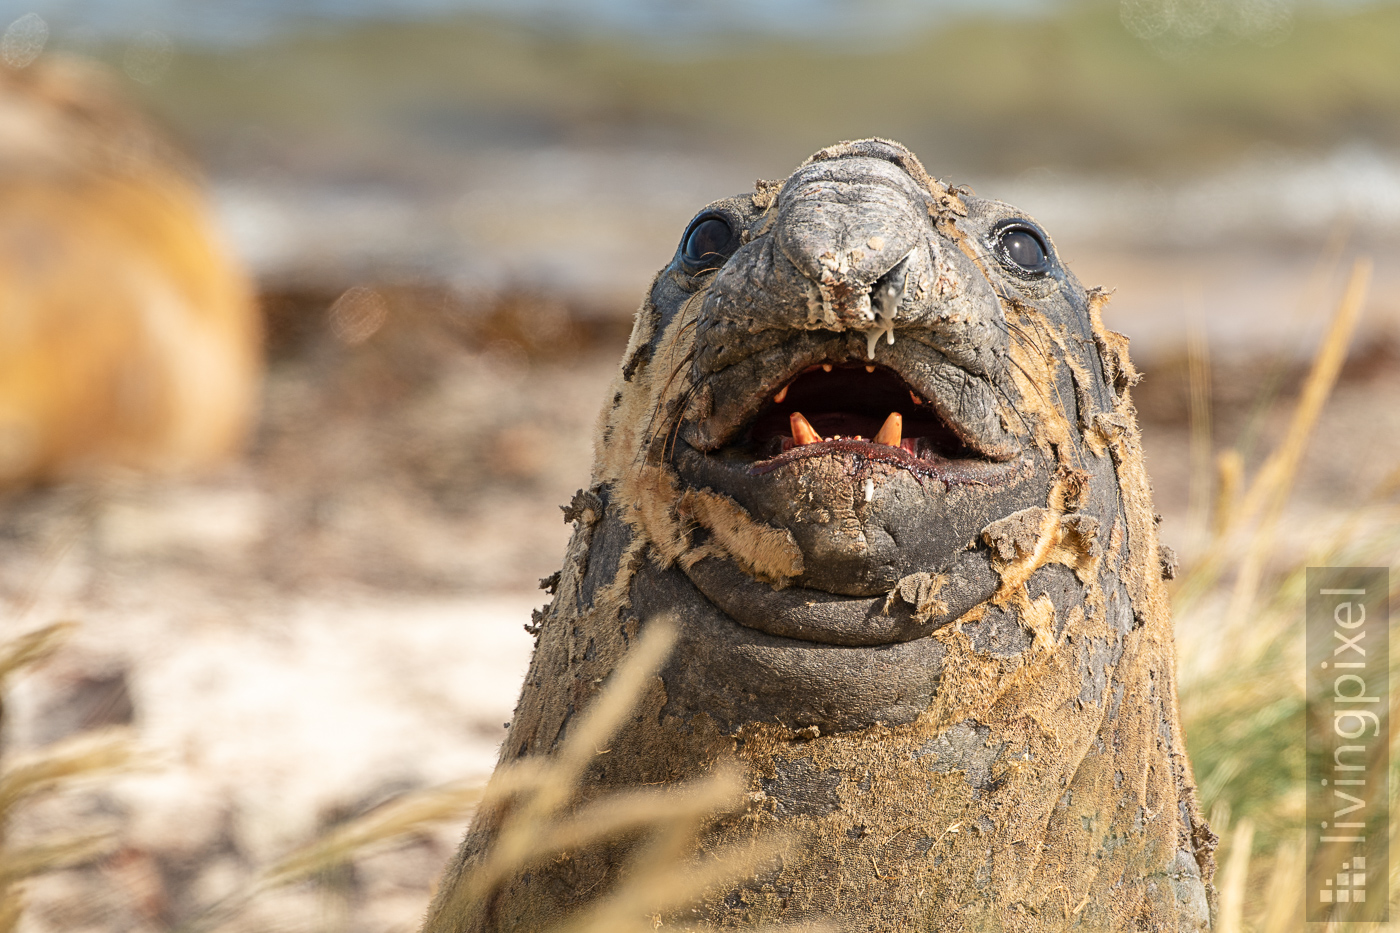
[(885, 297), (888, 291)]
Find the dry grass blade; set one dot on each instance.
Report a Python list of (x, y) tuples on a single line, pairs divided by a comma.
[(81, 756), (618, 814), (1275, 480), (1312, 295), (1229, 471), (1276, 476), (1285, 897), (1390, 485), (518, 835), (607, 712), (409, 814), (44, 771), (32, 648), (19, 864), (534, 791), (1394, 831), (1271, 485), (656, 883), (660, 875), (11, 908), (765, 928), (1198, 370), (1234, 877)]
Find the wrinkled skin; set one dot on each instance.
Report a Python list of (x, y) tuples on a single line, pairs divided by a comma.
[(944, 655)]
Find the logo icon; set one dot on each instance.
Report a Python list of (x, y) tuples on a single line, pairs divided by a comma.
[(1351, 884)]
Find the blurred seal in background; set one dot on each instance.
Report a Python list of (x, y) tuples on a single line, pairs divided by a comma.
[(129, 337)]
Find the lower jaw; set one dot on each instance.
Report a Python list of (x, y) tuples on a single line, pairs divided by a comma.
[(861, 524), (737, 675), (950, 472), (820, 617)]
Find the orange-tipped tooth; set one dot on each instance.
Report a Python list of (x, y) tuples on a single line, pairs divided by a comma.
[(917, 400), (782, 394), (870, 369), (826, 367), (802, 430), (892, 431)]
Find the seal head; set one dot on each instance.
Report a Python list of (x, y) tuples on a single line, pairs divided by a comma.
[(845, 412)]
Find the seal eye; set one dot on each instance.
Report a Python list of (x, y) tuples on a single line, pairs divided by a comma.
[(708, 241), (1022, 249)]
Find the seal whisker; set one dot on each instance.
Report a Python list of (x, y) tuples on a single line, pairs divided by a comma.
[(699, 272), (674, 433), (662, 400)]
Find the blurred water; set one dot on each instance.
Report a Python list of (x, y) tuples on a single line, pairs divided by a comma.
[(1233, 252), (1264, 199), (568, 169), (590, 224), (848, 20), (596, 223), (215, 21)]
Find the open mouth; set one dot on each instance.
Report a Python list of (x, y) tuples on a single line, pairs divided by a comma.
[(813, 395), (864, 409), (828, 403)]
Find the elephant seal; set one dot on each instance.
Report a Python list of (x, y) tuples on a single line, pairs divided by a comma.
[(130, 337), (871, 447)]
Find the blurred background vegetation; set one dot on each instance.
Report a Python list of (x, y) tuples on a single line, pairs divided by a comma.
[(447, 211), (1168, 87), (397, 116)]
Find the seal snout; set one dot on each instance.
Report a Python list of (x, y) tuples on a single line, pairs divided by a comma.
[(852, 229)]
